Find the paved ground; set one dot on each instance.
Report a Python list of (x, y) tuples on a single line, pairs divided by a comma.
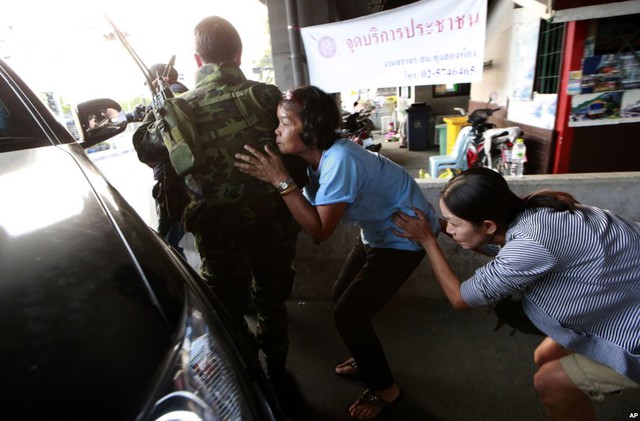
[(451, 366)]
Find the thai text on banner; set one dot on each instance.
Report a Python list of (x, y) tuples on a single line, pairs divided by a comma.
[(425, 43)]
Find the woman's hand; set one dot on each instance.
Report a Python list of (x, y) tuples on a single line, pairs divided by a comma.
[(416, 228), (265, 166)]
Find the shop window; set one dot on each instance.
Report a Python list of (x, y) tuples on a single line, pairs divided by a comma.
[(549, 57)]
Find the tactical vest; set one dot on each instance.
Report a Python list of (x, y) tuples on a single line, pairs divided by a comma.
[(226, 119)]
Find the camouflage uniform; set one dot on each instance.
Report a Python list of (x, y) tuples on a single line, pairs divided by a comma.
[(242, 226)]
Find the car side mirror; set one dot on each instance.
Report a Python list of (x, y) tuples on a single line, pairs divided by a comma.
[(99, 120)]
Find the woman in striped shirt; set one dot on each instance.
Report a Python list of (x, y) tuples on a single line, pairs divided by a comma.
[(576, 267)]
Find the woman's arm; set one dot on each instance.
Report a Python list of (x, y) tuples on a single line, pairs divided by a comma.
[(417, 229), (319, 222)]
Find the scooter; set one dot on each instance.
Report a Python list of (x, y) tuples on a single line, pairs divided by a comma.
[(362, 137), (490, 146), (358, 127), (358, 120), (497, 144)]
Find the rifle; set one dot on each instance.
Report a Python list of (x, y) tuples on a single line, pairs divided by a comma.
[(159, 92), (174, 117)]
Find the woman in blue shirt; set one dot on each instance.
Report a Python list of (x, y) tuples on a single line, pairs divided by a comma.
[(576, 267), (356, 186)]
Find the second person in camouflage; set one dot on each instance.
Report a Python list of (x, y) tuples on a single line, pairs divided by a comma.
[(244, 231)]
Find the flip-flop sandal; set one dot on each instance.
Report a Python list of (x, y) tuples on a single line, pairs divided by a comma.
[(352, 365), (379, 404)]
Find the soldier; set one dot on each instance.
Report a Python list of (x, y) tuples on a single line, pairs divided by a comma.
[(243, 229), (167, 182), (171, 79)]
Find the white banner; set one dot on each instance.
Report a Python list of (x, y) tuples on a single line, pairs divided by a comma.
[(425, 43)]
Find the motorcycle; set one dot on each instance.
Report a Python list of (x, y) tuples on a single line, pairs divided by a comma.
[(357, 120), (358, 127), (497, 144), (490, 146)]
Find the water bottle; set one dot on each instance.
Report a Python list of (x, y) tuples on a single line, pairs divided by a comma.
[(518, 156)]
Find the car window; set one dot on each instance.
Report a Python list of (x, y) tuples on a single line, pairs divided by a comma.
[(18, 128)]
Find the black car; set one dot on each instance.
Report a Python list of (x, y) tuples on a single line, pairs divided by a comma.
[(99, 317)]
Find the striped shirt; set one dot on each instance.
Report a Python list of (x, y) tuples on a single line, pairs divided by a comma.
[(579, 277)]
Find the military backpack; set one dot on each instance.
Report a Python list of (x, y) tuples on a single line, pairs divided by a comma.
[(206, 127)]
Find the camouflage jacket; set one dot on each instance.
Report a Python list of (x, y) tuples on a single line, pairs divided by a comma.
[(219, 193)]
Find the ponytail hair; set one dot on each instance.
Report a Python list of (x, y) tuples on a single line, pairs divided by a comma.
[(556, 200), (479, 194)]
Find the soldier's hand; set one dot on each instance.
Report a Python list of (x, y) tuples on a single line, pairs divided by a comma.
[(139, 112)]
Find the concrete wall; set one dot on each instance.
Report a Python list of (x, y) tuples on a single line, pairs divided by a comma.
[(318, 265)]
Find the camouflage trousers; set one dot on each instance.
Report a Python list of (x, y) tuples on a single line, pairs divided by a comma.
[(252, 262)]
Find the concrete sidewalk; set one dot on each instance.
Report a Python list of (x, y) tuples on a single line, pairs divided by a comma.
[(451, 366)]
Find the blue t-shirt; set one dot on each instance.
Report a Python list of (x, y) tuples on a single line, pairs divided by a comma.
[(373, 187)]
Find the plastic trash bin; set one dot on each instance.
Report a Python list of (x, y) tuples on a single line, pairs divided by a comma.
[(418, 126), (454, 125), (441, 138)]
